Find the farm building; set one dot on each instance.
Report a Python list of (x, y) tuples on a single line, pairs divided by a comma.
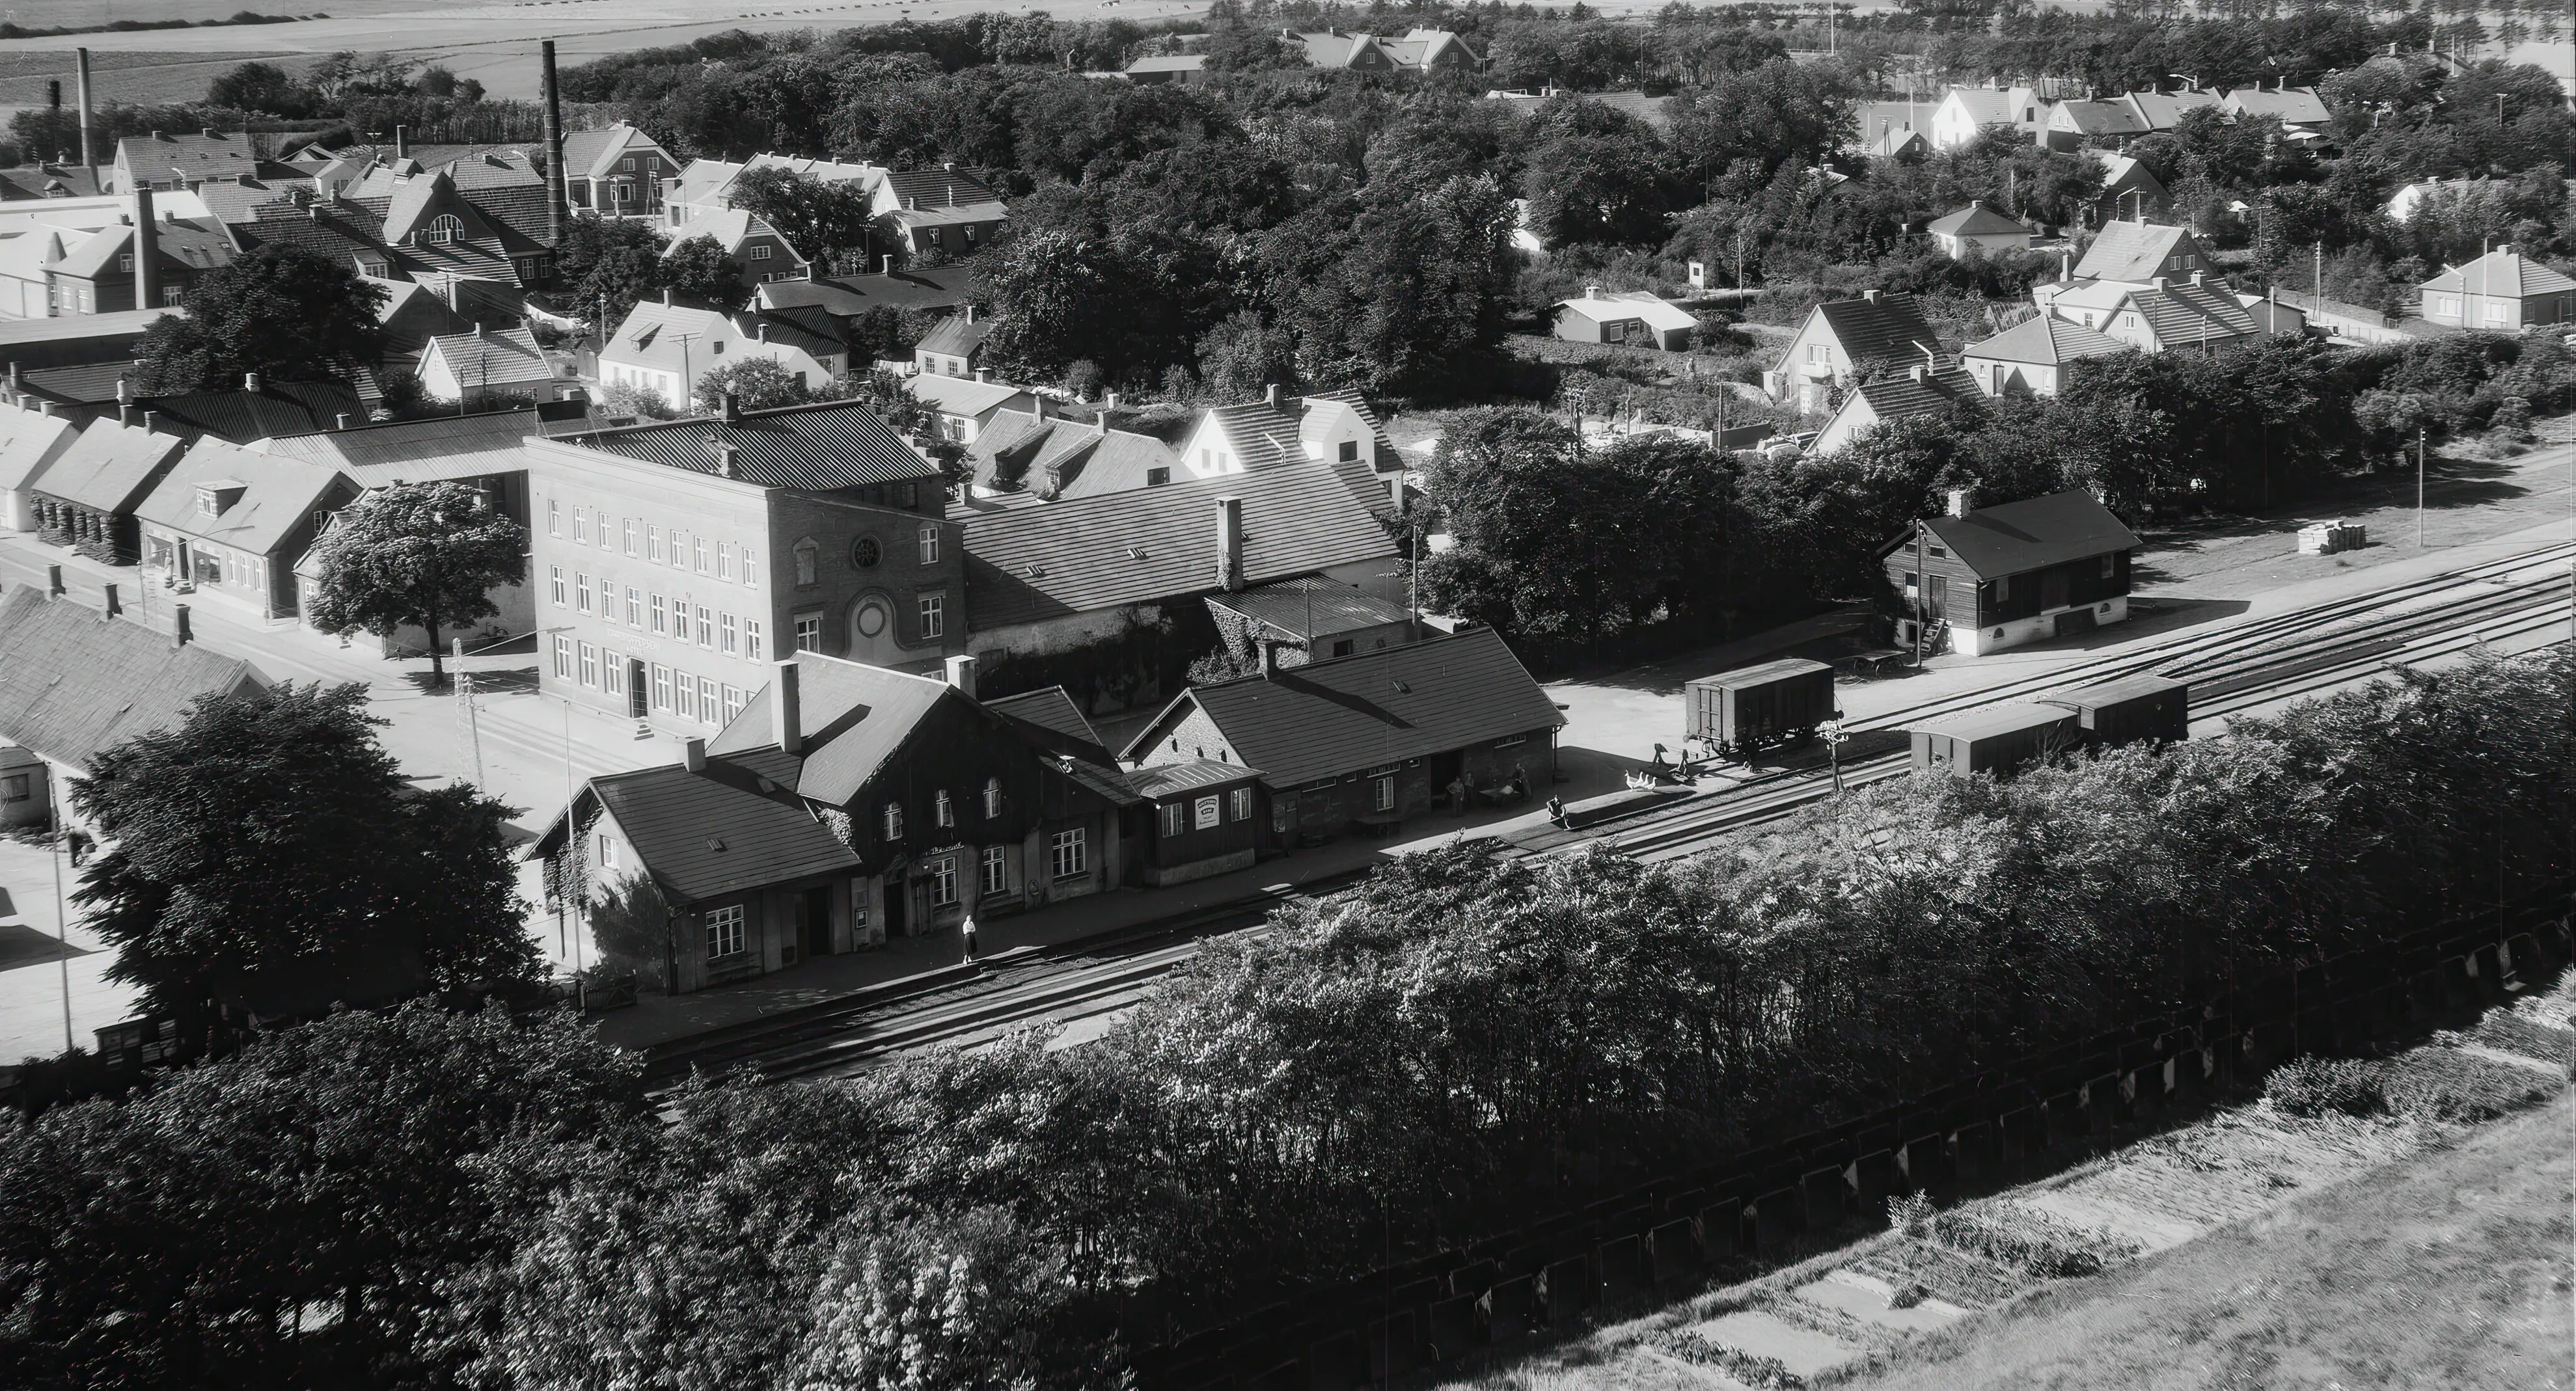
[(2023, 572), (1634, 317)]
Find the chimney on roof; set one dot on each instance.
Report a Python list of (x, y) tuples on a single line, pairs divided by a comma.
[(728, 459), (666, 295), (151, 421), (693, 755), (88, 137), (2196, 277), (1268, 647), (982, 374), (125, 413), (1958, 502), (250, 382), (888, 269), (313, 212), (1229, 543), (1270, 394), (54, 581), (1870, 295), (402, 142), (113, 607), (2157, 283), (1042, 407), (732, 408), (763, 330), (786, 707), (970, 313), (147, 250), (159, 136), (181, 634), (208, 132), (1915, 372), (961, 674), (124, 391), (1395, 492)]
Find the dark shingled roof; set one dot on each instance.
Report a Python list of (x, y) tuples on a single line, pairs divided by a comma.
[(955, 336), (1030, 562), (278, 408), (854, 717), (836, 444), (1974, 220), (2023, 536), (111, 467), (1326, 719), (936, 188), (711, 835), (931, 287), (1895, 398), (1888, 329), (1058, 722), (74, 682)]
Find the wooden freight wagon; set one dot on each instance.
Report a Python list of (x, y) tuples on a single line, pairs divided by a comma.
[(1996, 740), (1745, 711), (2128, 710)]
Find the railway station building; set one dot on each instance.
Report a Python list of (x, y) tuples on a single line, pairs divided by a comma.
[(2019, 573)]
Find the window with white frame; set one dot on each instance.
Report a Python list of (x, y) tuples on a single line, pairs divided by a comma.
[(706, 627), (1242, 804), (733, 702), (997, 869), (724, 932), (589, 665), (563, 658), (943, 881), (661, 687), (750, 568), (660, 623), (992, 798), (1382, 793), (581, 592), (554, 517), (751, 639), (653, 543), (684, 694), (606, 854), (724, 561), (626, 529), (581, 525), (634, 607), (445, 228), (809, 632), (698, 547), (893, 819), (555, 584), (710, 711), (930, 545), (1070, 854), (941, 809), (759, 251), (726, 623), (1175, 817), (934, 615), (1206, 812)]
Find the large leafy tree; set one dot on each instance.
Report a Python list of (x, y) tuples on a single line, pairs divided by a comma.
[(286, 1217), (269, 851), (610, 263), (424, 555), (281, 311), (697, 270), (828, 223)]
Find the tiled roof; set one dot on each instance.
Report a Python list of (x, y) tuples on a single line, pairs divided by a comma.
[(486, 357), (431, 448), (715, 834), (728, 228), (240, 201), (1264, 435), (938, 188), (184, 245), (1179, 779), (1974, 220), (111, 466), (276, 494), (24, 336), (413, 314), (75, 683), (1312, 608), (190, 155), (837, 444), (1359, 404), (595, 152), (960, 395), (952, 214), (2292, 106), (2101, 118), (1059, 459), (1890, 328), (653, 334), (278, 408), (1645, 305), (955, 336), (1986, 106), (2183, 312), (932, 287), (2160, 110), (47, 181), (2031, 535), (853, 718), (89, 384), (2501, 273), (1051, 720), (1346, 715), (30, 441), (1897, 397), (2047, 339), (2131, 251), (1082, 555), (337, 229)]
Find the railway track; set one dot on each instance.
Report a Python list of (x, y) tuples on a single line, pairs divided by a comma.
[(2231, 671)]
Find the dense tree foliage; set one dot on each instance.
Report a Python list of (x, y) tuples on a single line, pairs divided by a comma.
[(281, 311), (268, 854), (416, 555)]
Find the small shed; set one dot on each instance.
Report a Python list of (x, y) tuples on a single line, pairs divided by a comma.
[(1207, 818), (1634, 317), (1996, 740), (1748, 708), (1977, 227), (2130, 709)]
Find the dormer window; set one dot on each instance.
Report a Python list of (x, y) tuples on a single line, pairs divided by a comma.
[(214, 498), (443, 229)]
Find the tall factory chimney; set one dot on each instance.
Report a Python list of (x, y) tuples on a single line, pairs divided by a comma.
[(89, 142), (554, 148), (147, 250)]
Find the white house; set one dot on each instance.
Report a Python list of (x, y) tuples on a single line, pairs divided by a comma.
[(1845, 339), (1919, 390), (2299, 108), (1638, 318), (491, 367), (666, 347), (1337, 427), (1979, 228), (1967, 111), (30, 439), (2030, 358), (709, 186), (965, 405)]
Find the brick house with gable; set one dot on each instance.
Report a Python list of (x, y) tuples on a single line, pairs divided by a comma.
[(1850, 340)]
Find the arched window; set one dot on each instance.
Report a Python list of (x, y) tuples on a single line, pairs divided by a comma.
[(444, 229)]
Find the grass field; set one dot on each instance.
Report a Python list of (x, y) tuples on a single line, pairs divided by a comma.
[(2451, 1271), (137, 75)]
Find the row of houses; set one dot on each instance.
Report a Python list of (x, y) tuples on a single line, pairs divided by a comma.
[(1418, 51), (2052, 114)]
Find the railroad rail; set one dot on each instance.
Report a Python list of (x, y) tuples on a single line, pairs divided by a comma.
[(2231, 670)]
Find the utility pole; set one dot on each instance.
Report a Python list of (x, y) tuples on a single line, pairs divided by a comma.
[(2419, 487), (467, 727), (1922, 592), (62, 913)]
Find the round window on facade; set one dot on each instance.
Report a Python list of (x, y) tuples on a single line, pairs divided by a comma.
[(873, 617), (865, 553)]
